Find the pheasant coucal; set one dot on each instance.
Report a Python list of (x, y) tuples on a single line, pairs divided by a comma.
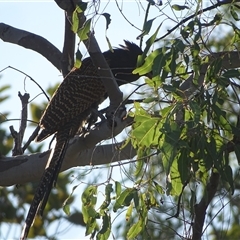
[(71, 105)]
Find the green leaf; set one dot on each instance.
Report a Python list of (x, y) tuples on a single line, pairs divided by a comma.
[(107, 201), (196, 110), (147, 133), (183, 166), (88, 203), (146, 28), (234, 13), (136, 199), (147, 66), (5, 87), (179, 7), (124, 199), (109, 44), (231, 73), (88, 194), (169, 88), (158, 188), (75, 21), (135, 229), (179, 45), (108, 191), (149, 43), (129, 212), (228, 176), (237, 153), (105, 231), (168, 153), (66, 209), (158, 66), (91, 226), (83, 31), (176, 183), (82, 6), (78, 61), (118, 188)]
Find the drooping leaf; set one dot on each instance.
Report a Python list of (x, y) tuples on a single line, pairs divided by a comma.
[(78, 61), (84, 31), (129, 212), (118, 188), (135, 229), (146, 28), (108, 19), (105, 230), (124, 199)]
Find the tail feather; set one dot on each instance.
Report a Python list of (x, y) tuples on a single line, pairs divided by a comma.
[(57, 166), (49, 178)]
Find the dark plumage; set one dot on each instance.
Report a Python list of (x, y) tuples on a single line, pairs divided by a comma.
[(72, 103)]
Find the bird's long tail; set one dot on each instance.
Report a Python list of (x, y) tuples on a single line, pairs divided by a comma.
[(48, 179)]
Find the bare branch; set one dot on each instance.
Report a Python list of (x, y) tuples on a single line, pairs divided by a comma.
[(68, 46), (33, 42), (18, 136)]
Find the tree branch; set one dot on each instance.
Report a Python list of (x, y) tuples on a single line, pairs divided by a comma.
[(109, 82), (33, 42), (68, 46), (201, 207), (81, 151), (18, 136)]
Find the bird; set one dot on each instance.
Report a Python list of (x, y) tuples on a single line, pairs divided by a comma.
[(71, 105)]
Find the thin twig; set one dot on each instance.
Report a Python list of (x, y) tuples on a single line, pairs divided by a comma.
[(29, 78)]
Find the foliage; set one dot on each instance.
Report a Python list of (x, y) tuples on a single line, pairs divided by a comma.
[(190, 149)]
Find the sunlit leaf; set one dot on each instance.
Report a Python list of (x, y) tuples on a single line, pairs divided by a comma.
[(147, 66), (84, 31), (78, 61), (129, 212), (66, 209), (124, 199), (135, 229)]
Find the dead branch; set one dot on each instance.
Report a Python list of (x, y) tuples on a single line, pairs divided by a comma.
[(18, 136)]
